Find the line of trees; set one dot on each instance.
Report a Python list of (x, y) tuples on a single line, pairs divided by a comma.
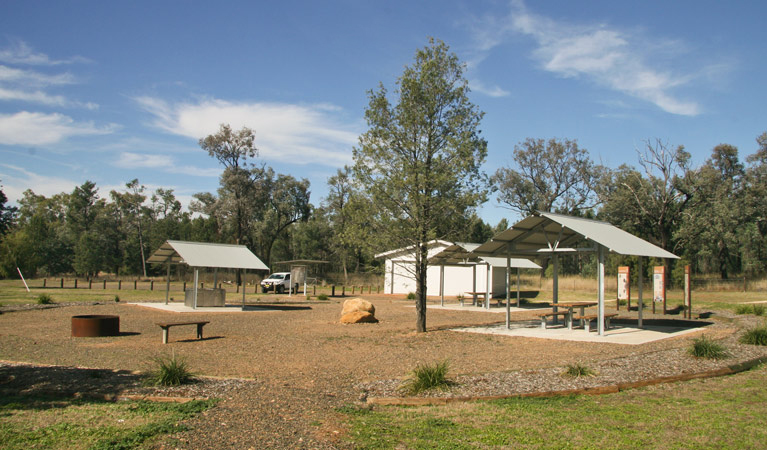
[(416, 176)]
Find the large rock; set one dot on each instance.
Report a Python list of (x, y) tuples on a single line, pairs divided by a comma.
[(358, 304), (358, 317)]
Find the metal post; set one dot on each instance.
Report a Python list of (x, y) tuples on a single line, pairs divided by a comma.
[(508, 293), (243, 289), (167, 285), (474, 284), (555, 284), (442, 285), (641, 300), (488, 286), (601, 298), (196, 279), (518, 296)]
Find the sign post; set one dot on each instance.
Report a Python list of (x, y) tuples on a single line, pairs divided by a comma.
[(659, 287), (624, 287)]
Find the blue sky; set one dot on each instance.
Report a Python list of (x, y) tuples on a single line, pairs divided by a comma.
[(111, 91)]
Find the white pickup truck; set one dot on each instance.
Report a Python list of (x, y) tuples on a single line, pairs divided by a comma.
[(278, 282)]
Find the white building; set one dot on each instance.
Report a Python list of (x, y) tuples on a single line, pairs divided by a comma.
[(460, 275)]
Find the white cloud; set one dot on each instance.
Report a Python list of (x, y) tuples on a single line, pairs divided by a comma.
[(617, 59), (16, 180), (35, 129), (495, 91), (19, 52), (301, 134), (165, 163)]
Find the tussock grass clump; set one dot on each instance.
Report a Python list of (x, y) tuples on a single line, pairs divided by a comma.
[(322, 297), (755, 336), (578, 370), (44, 299), (743, 309), (427, 376), (170, 371), (117, 299), (703, 347), (411, 295), (758, 310)]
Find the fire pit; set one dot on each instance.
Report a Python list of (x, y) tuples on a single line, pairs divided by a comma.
[(95, 325)]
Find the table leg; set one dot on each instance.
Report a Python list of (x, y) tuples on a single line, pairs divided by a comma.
[(199, 330)]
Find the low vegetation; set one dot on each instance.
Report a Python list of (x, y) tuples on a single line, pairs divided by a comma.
[(694, 414), (169, 371), (704, 347), (44, 299), (322, 297), (411, 295), (755, 309), (755, 336), (427, 376), (46, 422), (578, 370)]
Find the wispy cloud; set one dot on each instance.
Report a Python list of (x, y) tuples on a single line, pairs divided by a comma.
[(494, 91), (16, 180), (620, 60), (31, 86), (19, 52), (165, 163), (36, 129), (301, 134)]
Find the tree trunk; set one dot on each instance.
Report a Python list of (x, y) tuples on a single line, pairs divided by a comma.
[(420, 286)]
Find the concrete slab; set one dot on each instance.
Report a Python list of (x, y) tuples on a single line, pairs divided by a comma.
[(617, 334), (493, 308), (181, 308)]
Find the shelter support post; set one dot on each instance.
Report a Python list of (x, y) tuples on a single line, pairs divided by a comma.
[(196, 281), (508, 293), (601, 297), (167, 285), (474, 284), (518, 296), (640, 281), (243, 289), (555, 283), (215, 278), (442, 285), (489, 286)]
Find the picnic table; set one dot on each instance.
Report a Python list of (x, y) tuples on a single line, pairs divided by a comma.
[(571, 305), (474, 297)]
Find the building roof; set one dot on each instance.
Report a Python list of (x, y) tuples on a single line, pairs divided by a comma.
[(201, 254), (461, 253), (554, 233)]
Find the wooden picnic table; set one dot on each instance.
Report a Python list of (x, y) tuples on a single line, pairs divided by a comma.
[(571, 305)]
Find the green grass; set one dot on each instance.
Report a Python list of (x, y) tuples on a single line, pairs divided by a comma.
[(169, 371), (44, 299), (427, 376), (755, 309), (53, 423), (578, 370), (322, 297), (720, 413), (755, 336), (411, 295), (703, 347)]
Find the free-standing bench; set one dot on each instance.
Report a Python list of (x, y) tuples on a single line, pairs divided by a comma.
[(166, 325), (586, 320), (568, 320)]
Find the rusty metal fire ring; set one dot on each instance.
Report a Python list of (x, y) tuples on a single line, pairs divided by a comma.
[(95, 325)]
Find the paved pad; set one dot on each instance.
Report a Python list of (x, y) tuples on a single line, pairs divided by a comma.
[(182, 308), (617, 334)]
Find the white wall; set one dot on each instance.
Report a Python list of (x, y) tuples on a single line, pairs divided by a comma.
[(458, 280)]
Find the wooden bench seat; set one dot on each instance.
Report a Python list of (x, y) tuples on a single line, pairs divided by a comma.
[(166, 325), (586, 320), (554, 314)]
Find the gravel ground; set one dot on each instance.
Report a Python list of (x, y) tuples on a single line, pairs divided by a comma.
[(282, 373)]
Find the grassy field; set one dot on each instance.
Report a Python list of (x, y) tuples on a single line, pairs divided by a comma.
[(54, 423), (719, 413)]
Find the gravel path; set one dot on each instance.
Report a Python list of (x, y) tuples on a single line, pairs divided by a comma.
[(282, 374)]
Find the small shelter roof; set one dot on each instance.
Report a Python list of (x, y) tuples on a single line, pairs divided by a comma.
[(202, 254), (461, 253), (552, 233)]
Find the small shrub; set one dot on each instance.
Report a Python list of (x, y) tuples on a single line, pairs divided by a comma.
[(117, 299), (703, 347), (758, 310), (743, 309), (578, 370), (426, 376), (755, 336), (170, 371), (44, 299), (322, 297), (411, 295), (622, 302)]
